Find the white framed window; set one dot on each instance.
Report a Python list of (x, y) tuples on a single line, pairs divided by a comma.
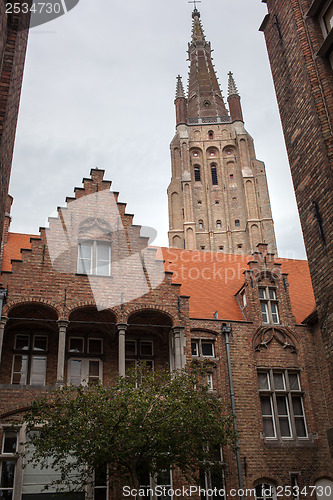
[(84, 371), (9, 442), (282, 405), (203, 347), (29, 360), (94, 257), (269, 305), (210, 381)]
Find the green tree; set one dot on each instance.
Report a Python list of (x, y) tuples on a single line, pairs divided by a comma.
[(170, 420)]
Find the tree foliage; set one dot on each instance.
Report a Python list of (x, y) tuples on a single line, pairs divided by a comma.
[(170, 420)]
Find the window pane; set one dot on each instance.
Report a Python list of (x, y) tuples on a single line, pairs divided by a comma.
[(6, 494), (22, 342), (146, 348), (272, 294), (294, 382), (75, 367), (262, 293), (75, 345), (38, 370), (214, 175), (278, 381), (284, 427), (84, 261), (9, 441), (95, 346), (269, 427), (275, 314), (196, 173), (194, 348), (266, 406), (40, 343), (300, 427), (263, 381), (282, 405), (7, 474), (85, 251), (264, 312), (20, 370), (130, 347), (297, 407), (103, 252), (93, 369), (207, 348)]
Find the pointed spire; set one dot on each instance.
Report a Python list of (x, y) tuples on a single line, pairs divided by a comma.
[(197, 30), (204, 94), (180, 93), (232, 89)]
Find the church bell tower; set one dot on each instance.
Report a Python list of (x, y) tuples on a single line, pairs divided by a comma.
[(218, 196)]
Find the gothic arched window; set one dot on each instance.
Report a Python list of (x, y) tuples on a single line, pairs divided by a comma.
[(197, 175), (214, 175)]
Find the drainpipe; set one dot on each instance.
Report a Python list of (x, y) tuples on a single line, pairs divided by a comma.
[(226, 330), (3, 295)]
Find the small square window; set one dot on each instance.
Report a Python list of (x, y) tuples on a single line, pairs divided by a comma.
[(263, 380), (22, 342), (76, 344), (40, 343), (237, 223), (95, 346), (207, 348), (146, 348)]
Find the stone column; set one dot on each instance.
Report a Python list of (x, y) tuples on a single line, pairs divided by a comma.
[(62, 325), (121, 347), (178, 347), (2, 328)]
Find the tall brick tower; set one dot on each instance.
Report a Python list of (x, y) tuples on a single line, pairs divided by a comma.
[(299, 38), (13, 43), (218, 196)]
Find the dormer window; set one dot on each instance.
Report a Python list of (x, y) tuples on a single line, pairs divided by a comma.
[(94, 257), (269, 306)]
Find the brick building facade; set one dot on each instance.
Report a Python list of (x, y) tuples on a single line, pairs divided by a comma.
[(218, 196), (176, 303), (13, 42), (299, 38)]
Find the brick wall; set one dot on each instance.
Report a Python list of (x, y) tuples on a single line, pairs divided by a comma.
[(13, 42), (304, 89)]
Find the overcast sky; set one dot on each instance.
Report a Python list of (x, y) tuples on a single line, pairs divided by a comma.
[(98, 91)]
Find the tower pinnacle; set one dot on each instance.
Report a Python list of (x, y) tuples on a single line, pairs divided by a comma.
[(232, 89), (180, 93)]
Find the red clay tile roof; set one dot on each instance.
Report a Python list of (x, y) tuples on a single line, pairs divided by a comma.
[(212, 279), (12, 250)]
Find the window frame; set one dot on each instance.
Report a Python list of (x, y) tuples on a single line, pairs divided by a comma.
[(199, 343), (214, 176), (266, 303), (31, 353), (94, 260), (289, 394), (84, 375)]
